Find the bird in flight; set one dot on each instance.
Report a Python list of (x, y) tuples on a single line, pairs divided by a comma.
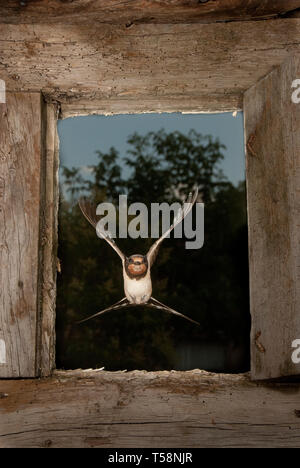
[(137, 268)]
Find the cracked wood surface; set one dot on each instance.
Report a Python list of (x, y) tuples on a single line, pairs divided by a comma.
[(148, 409), (272, 123), (111, 68), (45, 359), (141, 11), (28, 181), (20, 166)]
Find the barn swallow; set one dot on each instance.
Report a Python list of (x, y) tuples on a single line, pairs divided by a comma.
[(137, 268)]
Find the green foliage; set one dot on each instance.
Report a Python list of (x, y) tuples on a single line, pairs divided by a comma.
[(209, 285)]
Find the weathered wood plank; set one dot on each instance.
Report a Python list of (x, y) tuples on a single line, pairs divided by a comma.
[(48, 244), (215, 63), (197, 104), (20, 167), (272, 123), (155, 409), (146, 11)]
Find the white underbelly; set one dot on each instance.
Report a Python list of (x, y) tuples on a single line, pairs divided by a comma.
[(138, 291)]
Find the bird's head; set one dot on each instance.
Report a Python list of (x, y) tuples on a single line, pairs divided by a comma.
[(136, 266)]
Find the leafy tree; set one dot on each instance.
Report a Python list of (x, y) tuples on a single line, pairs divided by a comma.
[(209, 284)]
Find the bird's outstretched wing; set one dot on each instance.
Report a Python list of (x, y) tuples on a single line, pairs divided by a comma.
[(186, 208), (118, 305), (151, 303), (89, 211), (158, 305)]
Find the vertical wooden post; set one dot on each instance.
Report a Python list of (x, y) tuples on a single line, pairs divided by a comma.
[(20, 147), (23, 334), (272, 132), (48, 243)]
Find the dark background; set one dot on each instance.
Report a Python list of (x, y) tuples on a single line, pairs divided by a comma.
[(209, 285)]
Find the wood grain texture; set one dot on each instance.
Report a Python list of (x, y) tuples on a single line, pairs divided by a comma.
[(162, 65), (48, 244), (142, 11), (193, 105), (272, 123), (20, 168), (148, 409)]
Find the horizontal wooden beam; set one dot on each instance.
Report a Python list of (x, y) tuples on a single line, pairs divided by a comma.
[(137, 11), (194, 105), (213, 64), (154, 409)]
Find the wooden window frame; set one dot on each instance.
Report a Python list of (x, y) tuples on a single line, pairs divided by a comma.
[(271, 350), (109, 68), (266, 357), (263, 344)]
